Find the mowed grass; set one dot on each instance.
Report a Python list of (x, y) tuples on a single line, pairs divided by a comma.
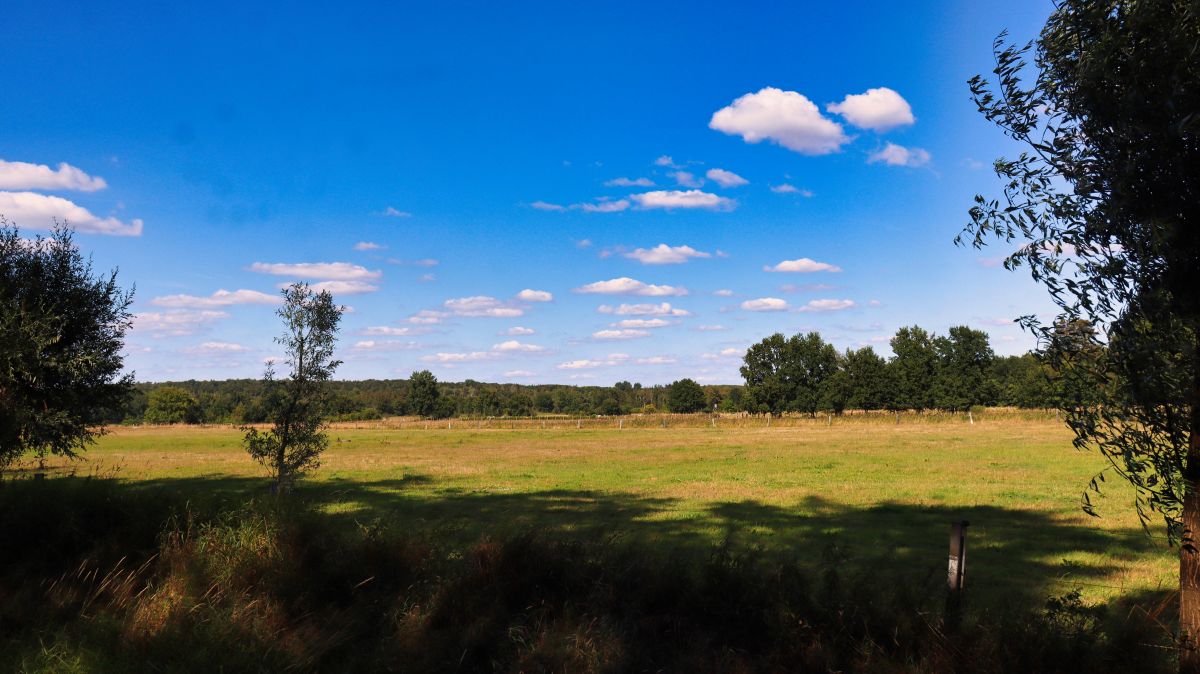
[(877, 495)]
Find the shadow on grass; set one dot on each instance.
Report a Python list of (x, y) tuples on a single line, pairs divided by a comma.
[(1016, 557)]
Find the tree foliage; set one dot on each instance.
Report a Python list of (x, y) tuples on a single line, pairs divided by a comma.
[(1104, 204), (298, 404), (171, 405), (62, 329), (686, 396)]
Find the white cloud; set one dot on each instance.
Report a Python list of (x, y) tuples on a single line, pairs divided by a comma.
[(427, 317), (389, 331), (529, 295), (723, 292), (784, 117), (385, 345), (588, 363), (787, 188), (519, 373), (174, 323), (665, 160), (664, 309), (878, 109), (583, 243), (711, 328), (827, 305), (513, 346), (547, 206), (628, 286), (604, 206), (482, 306), (39, 211), (997, 322), (642, 323), (686, 179), (368, 245), (656, 360), (898, 155), (726, 178), (426, 262), (765, 304), (426, 278), (211, 348), (221, 298), (803, 265), (664, 254), (472, 356), (517, 331), (342, 287), (19, 175), (629, 182), (321, 271), (396, 213), (683, 199), (619, 334), (723, 354)]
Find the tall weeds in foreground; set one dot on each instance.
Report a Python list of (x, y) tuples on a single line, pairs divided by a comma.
[(96, 576)]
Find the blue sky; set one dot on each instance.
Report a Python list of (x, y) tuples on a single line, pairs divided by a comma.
[(453, 172)]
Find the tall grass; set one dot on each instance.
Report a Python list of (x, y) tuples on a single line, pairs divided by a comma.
[(99, 576)]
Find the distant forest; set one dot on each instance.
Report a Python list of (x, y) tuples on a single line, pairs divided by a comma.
[(800, 374)]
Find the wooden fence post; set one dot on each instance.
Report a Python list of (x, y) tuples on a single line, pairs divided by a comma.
[(958, 555)]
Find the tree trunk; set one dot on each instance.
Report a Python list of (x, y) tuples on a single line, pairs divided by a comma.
[(1189, 549)]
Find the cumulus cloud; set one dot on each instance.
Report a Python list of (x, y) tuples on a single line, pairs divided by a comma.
[(427, 317), (787, 118), (803, 265), (590, 363), (385, 345), (656, 360), (619, 334), (518, 330), (723, 292), (629, 182), (40, 211), (320, 271), (519, 373), (628, 286), (396, 213), (664, 254), (221, 298), (664, 309), (342, 287), (19, 175), (547, 206), (603, 206), (472, 356), (878, 109), (174, 323), (726, 178), (513, 346), (482, 306), (642, 323), (212, 348), (368, 245), (765, 304), (723, 354), (665, 160), (686, 179), (827, 305), (898, 155), (683, 199), (787, 188), (711, 328), (389, 331), (529, 295)]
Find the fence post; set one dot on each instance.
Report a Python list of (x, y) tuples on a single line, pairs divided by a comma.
[(620, 424), (768, 419), (578, 424), (957, 574), (970, 417)]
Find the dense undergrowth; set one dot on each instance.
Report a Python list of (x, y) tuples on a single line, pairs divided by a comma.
[(96, 575)]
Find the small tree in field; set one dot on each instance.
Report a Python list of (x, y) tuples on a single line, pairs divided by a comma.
[(297, 405), (424, 399), (1104, 202), (61, 335)]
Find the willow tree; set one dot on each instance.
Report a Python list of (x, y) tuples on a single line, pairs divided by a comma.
[(1102, 206), (297, 405)]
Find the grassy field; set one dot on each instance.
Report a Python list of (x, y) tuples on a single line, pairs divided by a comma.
[(879, 495)]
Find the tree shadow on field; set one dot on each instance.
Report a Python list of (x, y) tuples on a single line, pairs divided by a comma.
[(1016, 557)]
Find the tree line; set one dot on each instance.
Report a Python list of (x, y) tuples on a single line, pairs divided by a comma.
[(802, 373)]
